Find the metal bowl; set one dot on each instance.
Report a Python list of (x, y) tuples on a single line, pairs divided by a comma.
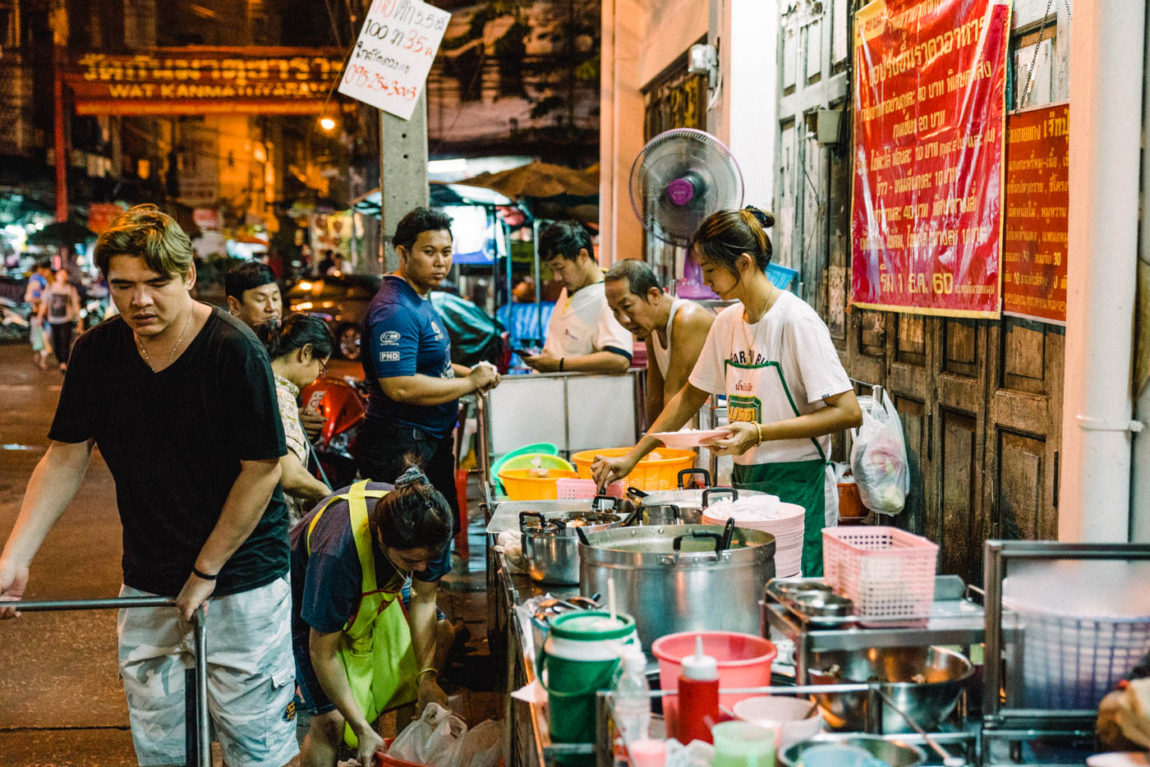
[(823, 604), (925, 682), (894, 752)]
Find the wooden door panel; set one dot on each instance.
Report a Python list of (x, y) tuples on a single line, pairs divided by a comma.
[(910, 339), (1023, 412), (960, 347), (1020, 489), (1024, 356), (953, 525), (912, 413), (960, 392)]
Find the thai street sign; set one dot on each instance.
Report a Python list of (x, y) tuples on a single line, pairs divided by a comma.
[(204, 80), (926, 218), (392, 57)]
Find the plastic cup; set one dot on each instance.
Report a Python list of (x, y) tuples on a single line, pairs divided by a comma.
[(738, 744), (646, 752)]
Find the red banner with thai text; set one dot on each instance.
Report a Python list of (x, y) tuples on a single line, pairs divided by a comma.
[(1037, 213), (926, 217)]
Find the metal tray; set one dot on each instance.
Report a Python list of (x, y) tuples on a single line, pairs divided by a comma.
[(777, 591)]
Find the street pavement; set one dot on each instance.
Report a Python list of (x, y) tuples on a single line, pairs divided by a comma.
[(60, 698)]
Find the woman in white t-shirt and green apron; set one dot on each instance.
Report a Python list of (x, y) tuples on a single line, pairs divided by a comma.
[(772, 356)]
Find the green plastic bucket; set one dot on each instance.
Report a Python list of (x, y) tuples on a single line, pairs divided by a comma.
[(579, 658)]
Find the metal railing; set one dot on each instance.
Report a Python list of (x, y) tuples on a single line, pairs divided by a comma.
[(199, 749)]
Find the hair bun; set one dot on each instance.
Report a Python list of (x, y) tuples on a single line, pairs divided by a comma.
[(411, 477), (765, 219)]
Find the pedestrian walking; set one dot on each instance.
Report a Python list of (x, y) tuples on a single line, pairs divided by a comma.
[(180, 400), (60, 308), (37, 283)]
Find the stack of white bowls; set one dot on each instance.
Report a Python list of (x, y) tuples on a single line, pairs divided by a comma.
[(768, 514)]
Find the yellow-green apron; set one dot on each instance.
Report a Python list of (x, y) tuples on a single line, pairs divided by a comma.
[(758, 393), (375, 647)]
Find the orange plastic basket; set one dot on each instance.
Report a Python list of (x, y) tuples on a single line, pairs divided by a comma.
[(522, 487), (651, 474)]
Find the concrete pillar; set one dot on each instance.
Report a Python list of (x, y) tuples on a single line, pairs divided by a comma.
[(620, 127), (745, 115), (1107, 48), (402, 174)]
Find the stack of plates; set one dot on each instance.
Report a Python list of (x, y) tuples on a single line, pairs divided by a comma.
[(787, 529)]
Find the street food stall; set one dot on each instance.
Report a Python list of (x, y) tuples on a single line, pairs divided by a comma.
[(890, 661)]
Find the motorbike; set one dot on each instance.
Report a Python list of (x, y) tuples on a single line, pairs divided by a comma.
[(15, 320), (343, 404)]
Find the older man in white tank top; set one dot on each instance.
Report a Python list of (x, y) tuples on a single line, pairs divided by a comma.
[(674, 328)]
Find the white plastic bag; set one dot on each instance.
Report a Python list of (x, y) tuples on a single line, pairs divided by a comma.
[(435, 738), (878, 456), (483, 745)]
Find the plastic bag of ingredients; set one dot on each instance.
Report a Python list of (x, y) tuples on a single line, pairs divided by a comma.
[(878, 455), (435, 738)]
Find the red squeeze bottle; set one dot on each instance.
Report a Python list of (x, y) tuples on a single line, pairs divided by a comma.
[(698, 696)]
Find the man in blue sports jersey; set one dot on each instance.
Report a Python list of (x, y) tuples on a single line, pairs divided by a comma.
[(414, 387)]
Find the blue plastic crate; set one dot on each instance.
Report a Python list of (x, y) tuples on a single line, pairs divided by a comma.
[(781, 276)]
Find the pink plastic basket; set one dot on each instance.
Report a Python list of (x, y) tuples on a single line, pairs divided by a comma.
[(571, 488), (886, 572)]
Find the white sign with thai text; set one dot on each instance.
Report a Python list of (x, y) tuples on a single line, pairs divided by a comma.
[(393, 54)]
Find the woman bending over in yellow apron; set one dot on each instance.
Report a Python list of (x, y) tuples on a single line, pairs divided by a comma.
[(772, 356), (358, 653)]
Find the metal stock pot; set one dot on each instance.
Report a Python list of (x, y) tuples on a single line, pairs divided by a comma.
[(680, 577), (683, 506), (550, 545)]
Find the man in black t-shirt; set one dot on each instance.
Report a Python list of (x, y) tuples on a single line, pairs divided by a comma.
[(179, 398)]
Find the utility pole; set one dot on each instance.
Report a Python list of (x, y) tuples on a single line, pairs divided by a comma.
[(402, 171), (60, 144)]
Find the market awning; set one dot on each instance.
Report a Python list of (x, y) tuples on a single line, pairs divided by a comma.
[(443, 195)]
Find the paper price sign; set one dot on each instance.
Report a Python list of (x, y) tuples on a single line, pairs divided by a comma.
[(393, 54)]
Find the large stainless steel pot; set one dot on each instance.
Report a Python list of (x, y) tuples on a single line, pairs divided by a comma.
[(683, 506), (679, 577), (925, 682), (550, 545)]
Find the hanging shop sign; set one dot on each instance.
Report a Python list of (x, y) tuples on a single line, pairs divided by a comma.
[(926, 218), (204, 80), (392, 57), (1037, 210), (101, 215)]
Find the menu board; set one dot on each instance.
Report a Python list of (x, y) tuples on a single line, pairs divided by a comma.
[(391, 59), (1037, 209), (926, 215)]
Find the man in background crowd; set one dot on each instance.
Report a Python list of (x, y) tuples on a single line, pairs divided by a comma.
[(582, 335), (674, 329)]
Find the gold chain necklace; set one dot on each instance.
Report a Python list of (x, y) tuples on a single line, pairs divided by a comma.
[(176, 345)]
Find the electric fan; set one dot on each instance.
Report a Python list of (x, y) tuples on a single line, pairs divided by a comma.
[(679, 178)]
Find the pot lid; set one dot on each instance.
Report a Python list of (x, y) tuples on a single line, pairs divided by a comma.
[(592, 625)]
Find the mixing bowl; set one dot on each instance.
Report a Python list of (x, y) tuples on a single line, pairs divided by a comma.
[(925, 682)]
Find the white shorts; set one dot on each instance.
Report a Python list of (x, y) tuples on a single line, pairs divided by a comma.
[(251, 677)]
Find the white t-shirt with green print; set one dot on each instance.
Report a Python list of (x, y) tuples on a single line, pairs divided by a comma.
[(789, 339)]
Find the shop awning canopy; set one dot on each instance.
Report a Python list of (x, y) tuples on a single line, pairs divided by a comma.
[(442, 196)]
